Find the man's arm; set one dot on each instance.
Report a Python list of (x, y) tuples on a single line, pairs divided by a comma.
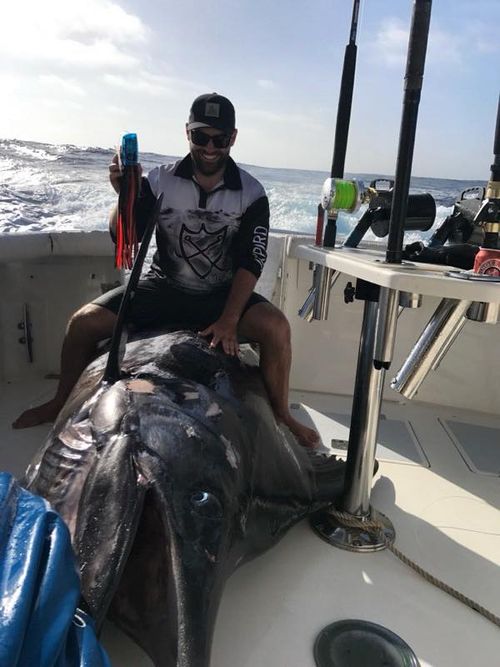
[(224, 331), (243, 285), (113, 217), (251, 248), (115, 176), (250, 255)]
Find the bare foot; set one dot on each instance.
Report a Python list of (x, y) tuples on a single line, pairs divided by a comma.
[(47, 412), (306, 436)]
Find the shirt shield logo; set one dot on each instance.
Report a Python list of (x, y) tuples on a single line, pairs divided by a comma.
[(203, 250)]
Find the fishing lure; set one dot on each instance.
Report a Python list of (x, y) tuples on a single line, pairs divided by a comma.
[(126, 233)]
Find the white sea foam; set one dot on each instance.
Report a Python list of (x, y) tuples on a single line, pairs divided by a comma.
[(61, 188)]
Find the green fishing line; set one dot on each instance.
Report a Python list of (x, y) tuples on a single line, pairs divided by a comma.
[(345, 195)]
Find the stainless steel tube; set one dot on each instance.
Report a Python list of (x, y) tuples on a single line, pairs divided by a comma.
[(410, 300), (321, 285), (484, 312), (364, 420), (307, 311), (387, 317), (434, 342)]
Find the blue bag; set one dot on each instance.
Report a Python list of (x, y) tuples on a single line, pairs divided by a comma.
[(40, 623)]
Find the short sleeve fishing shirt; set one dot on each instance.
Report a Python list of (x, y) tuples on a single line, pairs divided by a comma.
[(204, 237)]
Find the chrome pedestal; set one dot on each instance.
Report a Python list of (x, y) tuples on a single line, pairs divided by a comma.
[(355, 538), (365, 417)]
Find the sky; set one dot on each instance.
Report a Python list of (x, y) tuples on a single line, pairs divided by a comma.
[(86, 72)]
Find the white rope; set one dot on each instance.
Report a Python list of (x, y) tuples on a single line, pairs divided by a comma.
[(349, 520)]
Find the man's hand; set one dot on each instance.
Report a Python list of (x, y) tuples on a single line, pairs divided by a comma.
[(115, 174), (223, 331)]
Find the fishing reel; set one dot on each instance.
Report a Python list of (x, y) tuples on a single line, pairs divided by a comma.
[(463, 237), (471, 215), (470, 237), (474, 223), (339, 194), (420, 214)]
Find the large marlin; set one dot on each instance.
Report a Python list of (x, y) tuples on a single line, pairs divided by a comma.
[(169, 479)]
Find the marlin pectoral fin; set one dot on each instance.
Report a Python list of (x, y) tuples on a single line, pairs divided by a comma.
[(110, 509)]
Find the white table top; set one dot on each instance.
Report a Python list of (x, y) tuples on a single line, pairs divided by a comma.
[(427, 279)]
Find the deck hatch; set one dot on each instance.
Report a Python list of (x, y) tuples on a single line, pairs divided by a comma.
[(396, 441), (478, 445), (358, 643)]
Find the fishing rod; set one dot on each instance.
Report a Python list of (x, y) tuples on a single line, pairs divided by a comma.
[(388, 299), (335, 191), (342, 124), (395, 205), (495, 167), (345, 98), (391, 210), (112, 371), (414, 75)]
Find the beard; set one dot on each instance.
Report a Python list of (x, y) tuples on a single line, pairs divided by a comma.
[(208, 168)]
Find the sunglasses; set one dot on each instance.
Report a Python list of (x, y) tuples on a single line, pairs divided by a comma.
[(202, 139)]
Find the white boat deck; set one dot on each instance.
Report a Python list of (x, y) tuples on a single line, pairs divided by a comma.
[(443, 499)]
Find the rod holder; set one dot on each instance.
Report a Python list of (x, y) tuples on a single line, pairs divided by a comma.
[(410, 300), (385, 335), (480, 311), (321, 283), (306, 310), (314, 305), (434, 342)]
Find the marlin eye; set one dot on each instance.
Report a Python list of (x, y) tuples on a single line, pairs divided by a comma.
[(206, 504)]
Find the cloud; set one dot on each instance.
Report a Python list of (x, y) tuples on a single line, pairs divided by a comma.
[(484, 36), (60, 85), (150, 84), (51, 103), (156, 85), (114, 110), (97, 33), (94, 20), (282, 119), (488, 47), (391, 44), (267, 84), (445, 47)]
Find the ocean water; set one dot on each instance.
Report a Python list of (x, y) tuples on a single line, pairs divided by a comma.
[(45, 187)]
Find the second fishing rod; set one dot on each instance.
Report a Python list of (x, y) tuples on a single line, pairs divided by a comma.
[(335, 192)]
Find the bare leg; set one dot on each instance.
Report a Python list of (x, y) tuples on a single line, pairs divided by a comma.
[(266, 324), (86, 328)]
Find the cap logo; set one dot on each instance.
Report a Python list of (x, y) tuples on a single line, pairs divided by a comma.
[(212, 110)]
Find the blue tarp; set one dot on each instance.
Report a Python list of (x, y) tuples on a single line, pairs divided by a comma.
[(40, 624)]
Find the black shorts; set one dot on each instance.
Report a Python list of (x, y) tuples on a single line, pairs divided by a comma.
[(156, 303)]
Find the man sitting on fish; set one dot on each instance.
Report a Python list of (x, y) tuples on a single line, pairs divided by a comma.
[(211, 247)]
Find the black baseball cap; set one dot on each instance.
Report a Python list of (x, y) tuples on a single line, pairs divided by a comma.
[(212, 110)]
